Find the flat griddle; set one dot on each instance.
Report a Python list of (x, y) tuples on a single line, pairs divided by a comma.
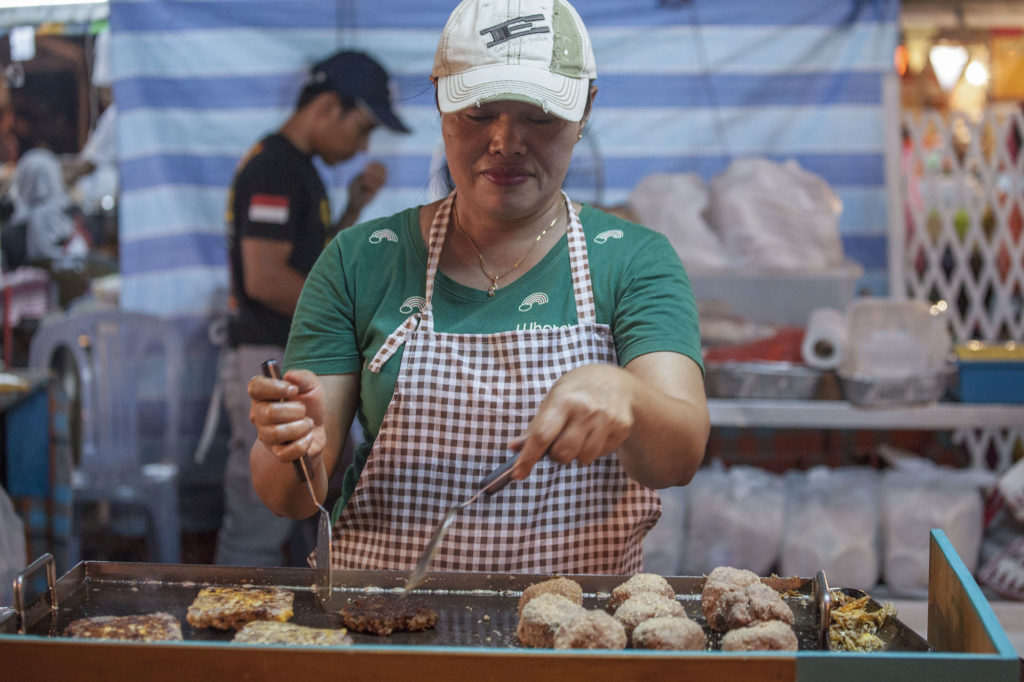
[(477, 610)]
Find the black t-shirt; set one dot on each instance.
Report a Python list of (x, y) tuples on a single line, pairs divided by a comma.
[(276, 194)]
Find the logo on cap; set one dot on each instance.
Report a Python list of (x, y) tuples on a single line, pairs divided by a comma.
[(514, 28)]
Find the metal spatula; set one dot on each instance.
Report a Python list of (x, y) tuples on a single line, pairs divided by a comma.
[(323, 580), (494, 482)]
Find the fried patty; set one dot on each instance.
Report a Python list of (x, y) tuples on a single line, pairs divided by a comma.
[(641, 582), (542, 616), (772, 635), (230, 608), (148, 627), (593, 629), (383, 614), (273, 632), (644, 605), (570, 589), (675, 633), (722, 580), (755, 603)]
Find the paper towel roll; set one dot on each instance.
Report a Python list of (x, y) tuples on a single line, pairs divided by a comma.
[(825, 338)]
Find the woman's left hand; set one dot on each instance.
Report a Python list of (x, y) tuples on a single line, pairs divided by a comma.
[(586, 415), (653, 413)]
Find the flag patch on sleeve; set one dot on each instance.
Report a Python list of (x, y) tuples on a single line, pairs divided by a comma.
[(268, 208)]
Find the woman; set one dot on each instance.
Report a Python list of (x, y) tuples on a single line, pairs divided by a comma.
[(502, 318)]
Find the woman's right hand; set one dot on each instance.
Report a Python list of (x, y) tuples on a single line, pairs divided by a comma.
[(288, 414)]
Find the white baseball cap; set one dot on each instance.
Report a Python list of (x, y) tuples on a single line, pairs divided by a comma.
[(535, 51)]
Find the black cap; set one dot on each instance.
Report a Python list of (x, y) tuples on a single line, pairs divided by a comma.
[(355, 74)]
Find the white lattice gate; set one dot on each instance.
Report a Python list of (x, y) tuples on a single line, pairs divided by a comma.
[(962, 196)]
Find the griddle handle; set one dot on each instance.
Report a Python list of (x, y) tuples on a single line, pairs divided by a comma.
[(45, 560), (272, 370)]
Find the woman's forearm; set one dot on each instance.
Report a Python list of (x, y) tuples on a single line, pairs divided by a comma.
[(671, 425), (276, 480)]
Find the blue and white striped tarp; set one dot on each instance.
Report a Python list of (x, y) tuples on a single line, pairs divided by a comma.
[(684, 86)]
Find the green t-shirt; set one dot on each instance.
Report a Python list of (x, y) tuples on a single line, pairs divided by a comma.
[(372, 276)]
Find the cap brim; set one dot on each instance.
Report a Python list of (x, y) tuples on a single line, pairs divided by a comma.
[(564, 97), (386, 117)]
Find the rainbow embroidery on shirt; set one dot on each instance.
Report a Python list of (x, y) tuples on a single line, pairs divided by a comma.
[(411, 304), (608, 234), (380, 235), (538, 298)]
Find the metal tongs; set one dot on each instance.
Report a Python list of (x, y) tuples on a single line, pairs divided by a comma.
[(323, 581), (494, 482)]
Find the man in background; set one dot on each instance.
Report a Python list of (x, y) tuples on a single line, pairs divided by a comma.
[(278, 220)]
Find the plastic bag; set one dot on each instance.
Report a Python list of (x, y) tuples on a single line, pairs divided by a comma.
[(674, 205), (776, 215), (733, 518), (663, 545), (12, 548), (917, 496), (832, 525)]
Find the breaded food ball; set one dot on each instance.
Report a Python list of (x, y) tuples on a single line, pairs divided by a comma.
[(752, 604), (644, 605), (542, 617), (772, 635), (721, 580), (675, 633), (570, 589), (641, 582), (593, 629)]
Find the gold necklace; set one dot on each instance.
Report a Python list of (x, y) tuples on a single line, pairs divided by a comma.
[(483, 263)]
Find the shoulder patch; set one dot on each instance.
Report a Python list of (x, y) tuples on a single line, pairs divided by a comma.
[(608, 234), (381, 235), (268, 208)]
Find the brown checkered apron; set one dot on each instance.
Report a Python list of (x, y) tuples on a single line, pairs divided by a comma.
[(459, 399)]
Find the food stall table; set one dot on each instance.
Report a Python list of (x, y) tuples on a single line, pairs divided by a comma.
[(965, 639)]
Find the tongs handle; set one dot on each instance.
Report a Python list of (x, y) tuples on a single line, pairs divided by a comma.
[(302, 466), (500, 477)]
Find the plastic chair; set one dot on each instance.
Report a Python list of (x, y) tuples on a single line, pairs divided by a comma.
[(123, 362)]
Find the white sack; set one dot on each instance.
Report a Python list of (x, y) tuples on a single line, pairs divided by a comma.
[(674, 204), (918, 499), (776, 215), (663, 546), (733, 518), (832, 525)]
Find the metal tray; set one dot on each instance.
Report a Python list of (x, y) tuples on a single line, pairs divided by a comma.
[(893, 632), (474, 609), (762, 380), (872, 391)]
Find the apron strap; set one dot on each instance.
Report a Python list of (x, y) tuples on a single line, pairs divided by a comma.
[(393, 343), (579, 265)]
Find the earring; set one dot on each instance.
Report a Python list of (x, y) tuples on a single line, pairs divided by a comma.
[(580, 137)]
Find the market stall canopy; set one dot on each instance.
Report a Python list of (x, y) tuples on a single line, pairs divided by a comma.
[(37, 12)]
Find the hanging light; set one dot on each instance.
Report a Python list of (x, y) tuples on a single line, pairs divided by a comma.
[(948, 62), (976, 73)]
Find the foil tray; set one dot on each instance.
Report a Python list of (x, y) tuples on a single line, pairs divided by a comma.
[(762, 380), (872, 391), (474, 609)]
